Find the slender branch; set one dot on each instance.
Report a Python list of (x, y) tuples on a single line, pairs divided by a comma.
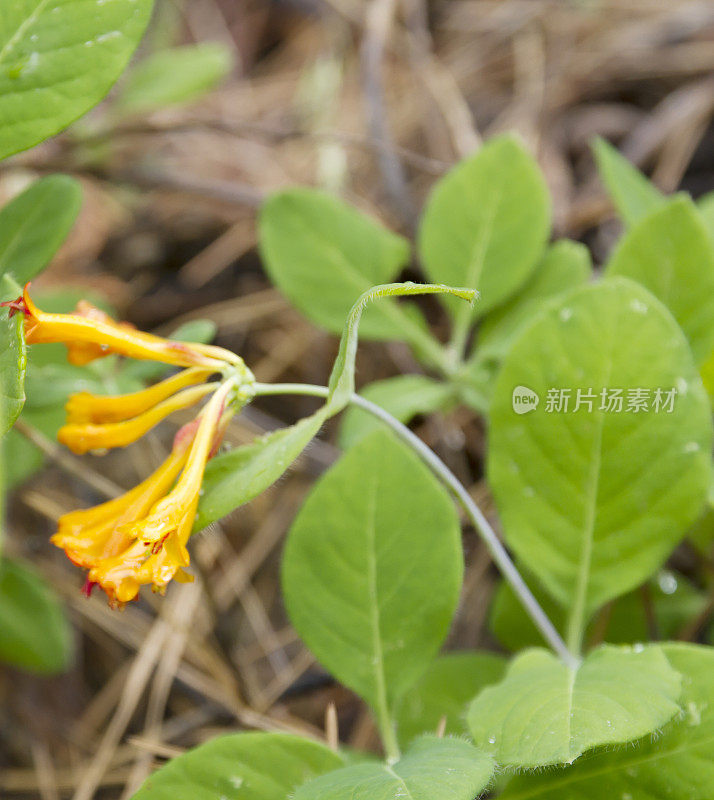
[(498, 551)]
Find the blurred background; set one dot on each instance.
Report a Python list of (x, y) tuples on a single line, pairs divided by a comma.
[(374, 100)]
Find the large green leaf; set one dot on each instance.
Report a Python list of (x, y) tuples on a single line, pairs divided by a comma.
[(678, 763), (486, 223), (34, 632), (403, 397), (241, 766), (58, 58), (35, 223), (370, 614), (632, 193), (544, 712), (236, 477), (593, 500), (670, 252), (565, 265), (324, 254), (174, 76), (433, 769), (13, 362), (444, 692)]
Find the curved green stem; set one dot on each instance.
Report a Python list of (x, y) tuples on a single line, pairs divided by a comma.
[(498, 551)]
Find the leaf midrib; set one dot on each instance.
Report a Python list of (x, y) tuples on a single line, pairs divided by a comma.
[(402, 782), (22, 28), (478, 255), (577, 616), (374, 617)]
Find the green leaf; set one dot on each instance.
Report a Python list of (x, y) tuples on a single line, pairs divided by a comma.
[(679, 763), (593, 500), (34, 632), (13, 361), (433, 769), (35, 223), (444, 692), (342, 377), (671, 253), (486, 223), (369, 614), (565, 265), (633, 195), (241, 766), (403, 397), (177, 75), (544, 712), (235, 478), (323, 255), (58, 59)]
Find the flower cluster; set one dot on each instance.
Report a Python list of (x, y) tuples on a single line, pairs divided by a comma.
[(139, 538)]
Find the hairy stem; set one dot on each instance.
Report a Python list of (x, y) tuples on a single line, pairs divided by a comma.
[(497, 550)]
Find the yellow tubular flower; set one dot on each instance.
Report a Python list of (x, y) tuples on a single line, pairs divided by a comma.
[(90, 333), (167, 515), (93, 534), (82, 437), (122, 563), (84, 407), (139, 538)]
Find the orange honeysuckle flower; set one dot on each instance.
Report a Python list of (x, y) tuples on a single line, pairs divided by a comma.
[(105, 540), (84, 407), (89, 333), (139, 538), (122, 576), (92, 534), (166, 516), (85, 436)]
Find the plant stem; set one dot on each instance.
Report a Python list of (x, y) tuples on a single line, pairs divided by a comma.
[(457, 346), (498, 552), (388, 735)]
